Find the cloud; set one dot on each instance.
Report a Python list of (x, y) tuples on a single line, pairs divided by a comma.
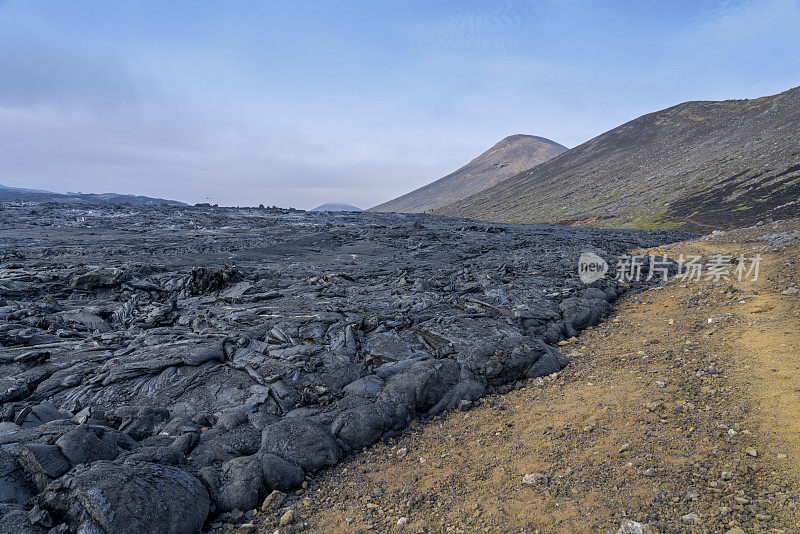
[(464, 35), (190, 158), (35, 72), (751, 20), (742, 49), (348, 108)]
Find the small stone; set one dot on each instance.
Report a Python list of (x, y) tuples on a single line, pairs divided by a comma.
[(629, 526), (235, 515), (401, 453), (653, 406), (781, 456), (659, 384), (273, 501), (735, 530), (752, 452), (727, 475), (650, 472), (691, 518), (402, 521), (790, 291), (248, 528), (692, 495), (535, 479), (464, 405), (625, 448), (287, 518)]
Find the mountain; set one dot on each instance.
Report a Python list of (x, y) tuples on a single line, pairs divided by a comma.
[(336, 207), (38, 195), (505, 159), (694, 166), (5, 188)]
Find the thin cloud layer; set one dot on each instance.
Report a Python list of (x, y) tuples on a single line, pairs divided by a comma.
[(302, 105)]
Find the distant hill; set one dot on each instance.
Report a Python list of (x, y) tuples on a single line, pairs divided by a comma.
[(38, 195), (510, 156), (694, 166), (336, 207)]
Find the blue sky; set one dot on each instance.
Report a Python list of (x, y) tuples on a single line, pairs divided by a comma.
[(300, 103)]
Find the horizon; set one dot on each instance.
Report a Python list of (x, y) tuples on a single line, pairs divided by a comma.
[(247, 104)]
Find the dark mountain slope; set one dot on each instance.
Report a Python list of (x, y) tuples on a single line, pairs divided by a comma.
[(38, 195), (510, 156), (336, 207), (694, 166)]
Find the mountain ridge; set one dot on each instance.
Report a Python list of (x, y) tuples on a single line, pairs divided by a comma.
[(336, 206), (23, 194), (698, 165), (504, 159)]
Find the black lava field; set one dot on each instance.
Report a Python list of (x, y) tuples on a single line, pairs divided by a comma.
[(160, 366)]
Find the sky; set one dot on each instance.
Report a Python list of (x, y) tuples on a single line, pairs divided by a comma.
[(301, 103)]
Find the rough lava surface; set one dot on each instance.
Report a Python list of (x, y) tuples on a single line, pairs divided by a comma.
[(162, 365)]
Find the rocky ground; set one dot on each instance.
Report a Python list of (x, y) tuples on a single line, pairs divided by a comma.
[(679, 414), (163, 369)]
